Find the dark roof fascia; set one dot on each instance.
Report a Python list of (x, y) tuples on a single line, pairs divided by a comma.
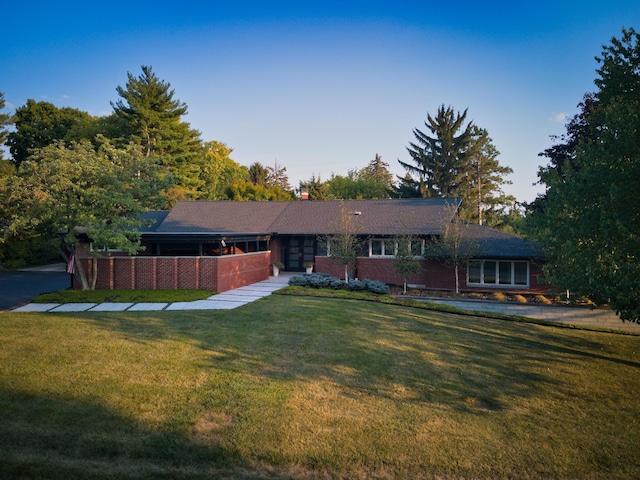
[(183, 237)]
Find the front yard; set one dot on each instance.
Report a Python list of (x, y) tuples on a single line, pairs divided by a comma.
[(301, 387)]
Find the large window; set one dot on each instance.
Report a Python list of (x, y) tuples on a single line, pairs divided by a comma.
[(498, 273)]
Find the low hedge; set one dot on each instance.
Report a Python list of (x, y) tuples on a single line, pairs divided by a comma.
[(323, 280)]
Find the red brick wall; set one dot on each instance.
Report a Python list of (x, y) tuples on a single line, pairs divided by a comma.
[(170, 273), (433, 274)]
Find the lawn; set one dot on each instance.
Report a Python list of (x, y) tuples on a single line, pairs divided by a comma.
[(299, 387)]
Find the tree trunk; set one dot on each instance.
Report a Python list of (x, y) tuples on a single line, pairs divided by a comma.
[(94, 279)]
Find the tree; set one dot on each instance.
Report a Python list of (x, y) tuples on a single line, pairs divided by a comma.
[(356, 186), (481, 190), (243, 190), (39, 124), (6, 167), (378, 171), (440, 161), (5, 121), (153, 119), (62, 192), (219, 171), (278, 176), (590, 223), (343, 245), (317, 189), (258, 174), (407, 253), (455, 246)]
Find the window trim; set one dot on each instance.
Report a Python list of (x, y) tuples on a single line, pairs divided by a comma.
[(496, 272)]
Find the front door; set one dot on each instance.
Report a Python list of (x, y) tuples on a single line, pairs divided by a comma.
[(299, 250)]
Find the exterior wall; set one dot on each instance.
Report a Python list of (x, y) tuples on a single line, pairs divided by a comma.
[(170, 273), (433, 275)]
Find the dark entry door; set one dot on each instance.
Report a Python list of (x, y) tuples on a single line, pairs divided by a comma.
[(299, 251)]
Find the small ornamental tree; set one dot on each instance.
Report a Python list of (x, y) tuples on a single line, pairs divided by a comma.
[(343, 245), (455, 245), (407, 254)]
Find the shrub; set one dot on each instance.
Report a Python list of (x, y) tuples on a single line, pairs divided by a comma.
[(543, 299), (323, 280), (520, 298), (499, 296)]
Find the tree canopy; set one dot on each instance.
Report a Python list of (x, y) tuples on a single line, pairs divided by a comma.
[(457, 160), (588, 218)]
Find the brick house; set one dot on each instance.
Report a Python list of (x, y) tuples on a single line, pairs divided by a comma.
[(221, 245)]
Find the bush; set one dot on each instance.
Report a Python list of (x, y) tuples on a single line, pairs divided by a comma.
[(323, 280)]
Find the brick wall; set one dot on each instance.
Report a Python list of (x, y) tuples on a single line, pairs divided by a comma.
[(432, 275), (170, 273)]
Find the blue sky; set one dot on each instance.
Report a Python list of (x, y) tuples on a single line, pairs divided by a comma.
[(323, 86)]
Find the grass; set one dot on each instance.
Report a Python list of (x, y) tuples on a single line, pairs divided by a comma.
[(300, 387), (100, 296)]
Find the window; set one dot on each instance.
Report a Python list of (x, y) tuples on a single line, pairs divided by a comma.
[(388, 247), (498, 273), (379, 247)]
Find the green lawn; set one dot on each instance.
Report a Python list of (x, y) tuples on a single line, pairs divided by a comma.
[(302, 387)]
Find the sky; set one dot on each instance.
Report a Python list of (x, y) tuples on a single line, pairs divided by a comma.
[(322, 87)]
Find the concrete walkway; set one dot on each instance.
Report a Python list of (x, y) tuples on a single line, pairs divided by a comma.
[(223, 301), (580, 316)]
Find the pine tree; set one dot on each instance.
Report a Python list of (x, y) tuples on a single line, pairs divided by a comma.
[(153, 119)]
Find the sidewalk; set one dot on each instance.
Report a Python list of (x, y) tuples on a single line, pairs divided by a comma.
[(223, 301)]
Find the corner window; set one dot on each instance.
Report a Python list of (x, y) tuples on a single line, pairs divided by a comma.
[(498, 273)]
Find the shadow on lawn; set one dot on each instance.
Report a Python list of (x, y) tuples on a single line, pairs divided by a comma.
[(56, 438), (464, 362)]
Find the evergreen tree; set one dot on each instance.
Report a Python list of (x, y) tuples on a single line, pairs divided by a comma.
[(440, 160), (258, 174), (278, 176), (153, 119), (378, 171), (483, 200)]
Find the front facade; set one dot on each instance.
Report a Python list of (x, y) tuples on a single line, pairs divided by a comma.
[(222, 245)]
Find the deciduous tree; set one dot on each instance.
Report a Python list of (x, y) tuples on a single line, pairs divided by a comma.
[(590, 223), (61, 192)]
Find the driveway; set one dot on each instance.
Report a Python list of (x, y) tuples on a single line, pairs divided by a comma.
[(19, 286)]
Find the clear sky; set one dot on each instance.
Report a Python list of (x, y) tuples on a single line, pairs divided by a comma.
[(323, 86)]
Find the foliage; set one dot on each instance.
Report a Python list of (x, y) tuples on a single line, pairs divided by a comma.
[(61, 193), (440, 160), (39, 124), (246, 191), (483, 201), (343, 244), (457, 161), (406, 261), (219, 171), (378, 171), (323, 280), (153, 120), (586, 219), (258, 174), (316, 188), (455, 246), (5, 121), (356, 186)]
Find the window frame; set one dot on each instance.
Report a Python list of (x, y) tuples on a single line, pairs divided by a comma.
[(495, 273)]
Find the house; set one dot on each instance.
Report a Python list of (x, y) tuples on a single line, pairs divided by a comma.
[(221, 245)]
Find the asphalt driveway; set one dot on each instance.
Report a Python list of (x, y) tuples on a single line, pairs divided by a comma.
[(19, 286)]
